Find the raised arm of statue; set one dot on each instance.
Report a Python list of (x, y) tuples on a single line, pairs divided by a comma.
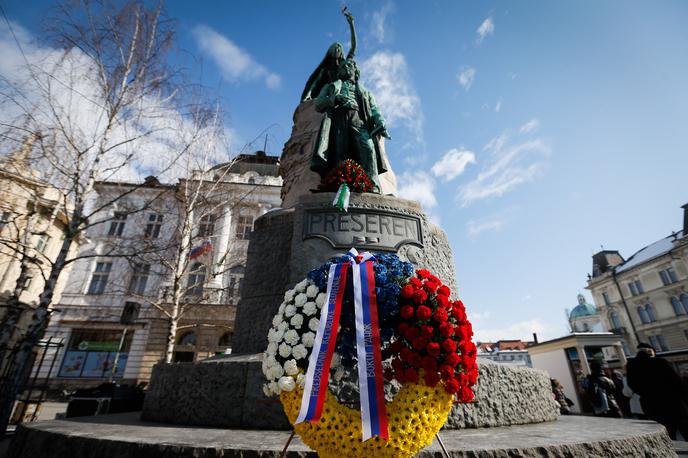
[(350, 20)]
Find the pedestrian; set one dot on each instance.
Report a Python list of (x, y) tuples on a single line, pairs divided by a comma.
[(621, 398), (600, 390), (662, 393), (633, 402), (559, 396)]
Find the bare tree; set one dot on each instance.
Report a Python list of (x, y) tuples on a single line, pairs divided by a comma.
[(106, 105)]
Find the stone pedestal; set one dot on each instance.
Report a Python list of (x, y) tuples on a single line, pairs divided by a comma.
[(287, 243)]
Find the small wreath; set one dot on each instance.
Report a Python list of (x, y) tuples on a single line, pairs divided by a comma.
[(428, 359)]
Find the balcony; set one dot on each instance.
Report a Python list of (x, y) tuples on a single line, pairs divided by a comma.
[(619, 331)]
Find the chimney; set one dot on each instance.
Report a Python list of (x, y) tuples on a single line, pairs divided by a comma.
[(535, 337), (685, 220)]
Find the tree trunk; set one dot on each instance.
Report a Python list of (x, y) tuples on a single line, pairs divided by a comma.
[(171, 337)]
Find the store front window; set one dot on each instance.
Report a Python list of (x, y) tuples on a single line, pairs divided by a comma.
[(91, 353)]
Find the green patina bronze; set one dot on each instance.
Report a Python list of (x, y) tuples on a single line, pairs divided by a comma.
[(352, 126)]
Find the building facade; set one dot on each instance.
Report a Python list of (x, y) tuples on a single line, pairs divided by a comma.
[(645, 298), (506, 351), (584, 317), (114, 314)]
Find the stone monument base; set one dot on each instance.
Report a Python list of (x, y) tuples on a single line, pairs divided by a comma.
[(124, 435)]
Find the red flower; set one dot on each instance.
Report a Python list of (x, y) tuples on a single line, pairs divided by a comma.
[(452, 359), (444, 291), (403, 326), (407, 292), (449, 346), (423, 313), (451, 386), (446, 371), (440, 315), (397, 365), (442, 301), (419, 343), (423, 273), (412, 333), (406, 312), (430, 286), (446, 329), (419, 296), (406, 354), (427, 331), (415, 282), (465, 394), (433, 349), (388, 374), (411, 375), (396, 346), (415, 360), (431, 378), (429, 364), (459, 313)]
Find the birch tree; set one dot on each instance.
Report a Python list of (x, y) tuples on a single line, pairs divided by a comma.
[(105, 102)]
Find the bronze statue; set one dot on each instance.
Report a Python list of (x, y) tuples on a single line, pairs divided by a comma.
[(352, 126)]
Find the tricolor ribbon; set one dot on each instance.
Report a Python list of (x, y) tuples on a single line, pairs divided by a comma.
[(370, 380)]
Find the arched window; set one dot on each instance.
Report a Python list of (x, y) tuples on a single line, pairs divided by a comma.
[(225, 341), (188, 339), (677, 306), (643, 315), (650, 310), (616, 321), (235, 282), (684, 301), (196, 279), (586, 327)]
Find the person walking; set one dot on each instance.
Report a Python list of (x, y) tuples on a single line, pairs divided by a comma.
[(600, 390), (663, 395)]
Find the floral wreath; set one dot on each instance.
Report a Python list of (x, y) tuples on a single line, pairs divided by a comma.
[(427, 359)]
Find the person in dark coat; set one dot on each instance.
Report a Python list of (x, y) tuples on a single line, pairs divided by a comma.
[(661, 390), (600, 390)]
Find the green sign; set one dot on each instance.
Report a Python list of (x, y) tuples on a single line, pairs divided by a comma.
[(91, 345)]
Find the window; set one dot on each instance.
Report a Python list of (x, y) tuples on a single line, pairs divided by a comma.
[(153, 226), (42, 242), (658, 342), (91, 353), (616, 321), (650, 311), (244, 227), (117, 224), (643, 315), (225, 341), (684, 301), (632, 289), (639, 286), (206, 228), (636, 288), (668, 276), (4, 220), (100, 278), (605, 298), (188, 339), (139, 278), (236, 280), (196, 279), (677, 306)]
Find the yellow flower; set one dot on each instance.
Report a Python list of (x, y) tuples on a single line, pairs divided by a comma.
[(414, 417)]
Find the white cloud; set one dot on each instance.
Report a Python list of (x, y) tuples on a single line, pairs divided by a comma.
[(520, 330), (453, 164), (475, 227), (386, 76), (235, 63), (466, 76), (378, 21), (418, 186), (498, 106), (530, 126), (509, 165), (486, 28)]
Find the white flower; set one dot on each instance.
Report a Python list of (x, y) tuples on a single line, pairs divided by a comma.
[(277, 319), (286, 383), (282, 306), (275, 335), (336, 361), (314, 323), (339, 373), (275, 372), (284, 350), (266, 389), (289, 295), (308, 339), (283, 326), (309, 308), (320, 300), (289, 311), (300, 300), (299, 351), (271, 350), (301, 380), (291, 368), (301, 286), (297, 320), (291, 337), (312, 291), (274, 387)]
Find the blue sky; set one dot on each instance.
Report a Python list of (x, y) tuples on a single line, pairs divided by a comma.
[(534, 132)]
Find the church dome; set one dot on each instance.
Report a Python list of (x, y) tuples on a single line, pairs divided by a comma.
[(582, 309)]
